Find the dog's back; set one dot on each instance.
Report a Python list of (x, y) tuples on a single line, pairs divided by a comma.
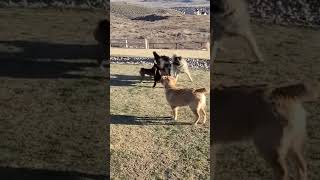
[(236, 112), (240, 112)]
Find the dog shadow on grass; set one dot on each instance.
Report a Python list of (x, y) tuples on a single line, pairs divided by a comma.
[(124, 80), (136, 120), (36, 59), (41, 174)]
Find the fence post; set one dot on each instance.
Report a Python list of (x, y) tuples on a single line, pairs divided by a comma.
[(126, 43), (146, 43)]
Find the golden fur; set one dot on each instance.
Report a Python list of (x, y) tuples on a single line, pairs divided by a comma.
[(273, 117), (177, 97), (231, 17)]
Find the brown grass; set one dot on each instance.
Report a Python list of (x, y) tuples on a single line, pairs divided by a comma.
[(52, 107), (155, 149), (174, 27), (168, 52)]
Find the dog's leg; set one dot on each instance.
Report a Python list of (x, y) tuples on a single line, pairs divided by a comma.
[(196, 112), (214, 51), (188, 73), (102, 56), (297, 154), (175, 112), (154, 84), (253, 45), (273, 152), (204, 114), (274, 156)]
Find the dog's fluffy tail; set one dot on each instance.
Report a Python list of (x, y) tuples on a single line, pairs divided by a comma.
[(303, 92), (201, 90)]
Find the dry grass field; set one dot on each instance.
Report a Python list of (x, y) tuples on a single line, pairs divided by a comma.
[(168, 52), (145, 142), (132, 22), (292, 55), (52, 96)]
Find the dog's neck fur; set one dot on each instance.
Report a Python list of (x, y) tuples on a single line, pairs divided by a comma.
[(170, 85)]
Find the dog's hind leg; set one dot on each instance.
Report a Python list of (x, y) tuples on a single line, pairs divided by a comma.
[(175, 112), (297, 150), (177, 77), (275, 156), (188, 73), (196, 112), (141, 77), (215, 50), (253, 45), (154, 84), (204, 114)]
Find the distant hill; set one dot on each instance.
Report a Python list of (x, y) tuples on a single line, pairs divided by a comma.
[(168, 3), (131, 11)]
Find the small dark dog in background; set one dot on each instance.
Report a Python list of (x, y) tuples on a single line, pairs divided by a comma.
[(101, 34), (155, 72), (149, 72)]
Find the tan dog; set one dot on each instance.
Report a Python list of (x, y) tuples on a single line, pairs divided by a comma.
[(273, 117), (231, 17), (179, 65), (177, 97)]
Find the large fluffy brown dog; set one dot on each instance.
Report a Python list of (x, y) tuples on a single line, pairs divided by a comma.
[(231, 17), (101, 35), (177, 97), (273, 117)]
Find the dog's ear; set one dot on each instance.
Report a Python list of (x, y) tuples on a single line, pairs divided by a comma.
[(174, 56), (156, 56)]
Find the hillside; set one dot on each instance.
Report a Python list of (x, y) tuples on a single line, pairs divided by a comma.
[(159, 24)]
